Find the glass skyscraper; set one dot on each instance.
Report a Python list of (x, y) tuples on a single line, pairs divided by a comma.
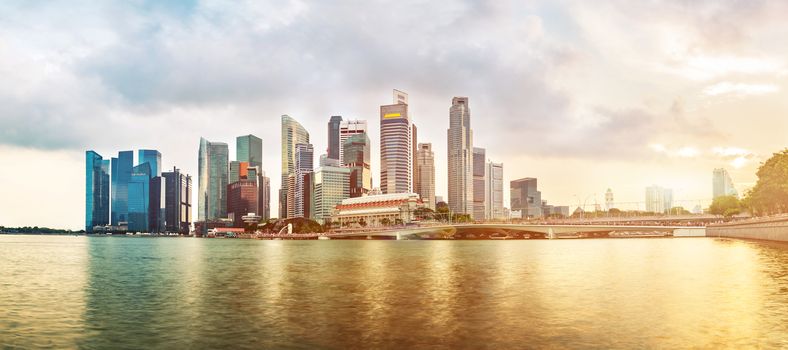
[(153, 157), (479, 183), (121, 175), (96, 191), (460, 156), (396, 152), (213, 177), (249, 148), (334, 143), (292, 133), (425, 168), (356, 154), (177, 202), (305, 158), (139, 198)]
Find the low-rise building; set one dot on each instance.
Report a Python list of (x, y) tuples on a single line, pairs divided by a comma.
[(380, 210)]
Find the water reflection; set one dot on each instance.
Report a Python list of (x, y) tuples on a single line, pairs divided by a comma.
[(106, 292)]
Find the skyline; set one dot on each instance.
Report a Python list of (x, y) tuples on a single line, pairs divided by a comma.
[(688, 103)]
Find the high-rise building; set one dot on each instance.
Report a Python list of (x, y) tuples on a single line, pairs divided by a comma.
[(264, 188), (395, 146), (249, 149), (609, 201), (331, 186), (334, 143), (357, 155), (658, 199), (242, 199), (153, 157), (96, 191), (525, 197), (121, 175), (479, 184), (494, 191), (460, 156), (139, 198), (238, 170), (177, 201), (425, 173), (347, 129), (212, 180), (415, 147), (292, 133), (304, 164), (722, 185), (156, 197)]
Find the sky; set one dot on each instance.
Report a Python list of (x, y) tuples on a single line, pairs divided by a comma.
[(583, 95)]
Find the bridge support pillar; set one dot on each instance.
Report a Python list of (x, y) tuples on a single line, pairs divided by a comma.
[(399, 236), (550, 233)]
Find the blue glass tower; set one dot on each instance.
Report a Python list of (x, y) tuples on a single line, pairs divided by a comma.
[(96, 191), (156, 205), (153, 157), (121, 175), (139, 198)]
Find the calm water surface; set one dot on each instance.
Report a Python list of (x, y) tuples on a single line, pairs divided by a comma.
[(172, 293)]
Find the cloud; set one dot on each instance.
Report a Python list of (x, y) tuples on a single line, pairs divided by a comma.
[(740, 89)]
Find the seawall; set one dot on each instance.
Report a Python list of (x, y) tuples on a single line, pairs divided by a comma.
[(773, 228)]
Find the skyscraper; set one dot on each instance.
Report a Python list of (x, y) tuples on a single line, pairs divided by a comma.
[(460, 156), (722, 185), (334, 142), (414, 148), (357, 155), (177, 201), (242, 199), (609, 199), (658, 199), (121, 175), (494, 191), (331, 186), (292, 133), (96, 191), (153, 157), (238, 170), (395, 146), (249, 149), (347, 129), (304, 164), (212, 180), (524, 196), (479, 184), (139, 198), (425, 173), (156, 188)]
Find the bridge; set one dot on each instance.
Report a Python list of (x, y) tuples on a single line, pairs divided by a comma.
[(520, 231)]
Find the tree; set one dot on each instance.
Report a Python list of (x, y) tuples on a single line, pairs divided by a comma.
[(385, 222), (770, 193), (725, 205), (423, 213)]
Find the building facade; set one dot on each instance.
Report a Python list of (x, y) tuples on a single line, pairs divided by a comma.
[(722, 185), (425, 174), (96, 191), (609, 200), (395, 146), (331, 186), (348, 128), (494, 192), (525, 197), (357, 154), (121, 175), (177, 201), (292, 133), (139, 198), (658, 199), (334, 143), (377, 211), (479, 184), (212, 180), (249, 149), (304, 164), (242, 199), (460, 157)]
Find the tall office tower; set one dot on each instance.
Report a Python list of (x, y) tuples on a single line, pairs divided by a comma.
[(177, 201), (334, 143), (242, 199), (414, 170), (212, 180), (249, 149), (96, 191), (326, 161), (139, 198), (357, 155), (658, 199), (304, 164), (460, 167), (524, 196), (722, 185), (425, 174), (156, 206), (331, 184), (264, 188), (395, 146), (238, 171), (494, 191), (347, 129), (609, 199), (292, 133), (479, 184), (121, 175)]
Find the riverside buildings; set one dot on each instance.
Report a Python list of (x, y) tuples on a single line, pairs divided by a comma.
[(396, 146), (356, 157), (348, 128), (460, 157), (292, 133), (425, 174), (525, 197), (177, 201), (494, 192), (212, 180), (96, 191), (479, 184), (304, 165), (249, 149), (331, 185), (334, 142), (378, 210), (722, 185), (658, 199)]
